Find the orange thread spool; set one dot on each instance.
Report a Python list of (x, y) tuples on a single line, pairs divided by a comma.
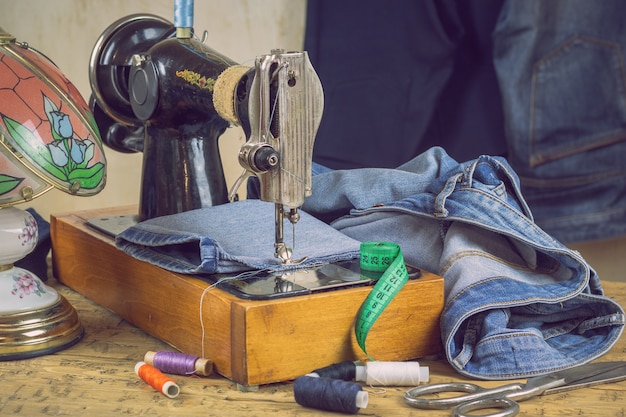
[(157, 379)]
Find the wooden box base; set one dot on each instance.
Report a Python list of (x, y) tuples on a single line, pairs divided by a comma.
[(249, 342)]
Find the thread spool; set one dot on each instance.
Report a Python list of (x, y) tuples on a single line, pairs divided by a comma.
[(178, 363), (392, 373), (345, 371), (183, 13), (157, 379), (329, 394)]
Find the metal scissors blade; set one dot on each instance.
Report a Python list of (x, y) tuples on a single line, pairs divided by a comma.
[(504, 396)]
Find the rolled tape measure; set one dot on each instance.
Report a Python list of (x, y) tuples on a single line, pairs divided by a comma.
[(385, 258)]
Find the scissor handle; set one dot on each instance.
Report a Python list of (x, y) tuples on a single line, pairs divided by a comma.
[(509, 407), (414, 396)]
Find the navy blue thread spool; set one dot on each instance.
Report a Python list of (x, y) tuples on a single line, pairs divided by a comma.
[(329, 394), (345, 371)]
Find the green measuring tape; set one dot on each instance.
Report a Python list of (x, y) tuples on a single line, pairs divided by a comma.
[(380, 258)]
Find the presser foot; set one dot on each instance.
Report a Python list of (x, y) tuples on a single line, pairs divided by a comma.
[(284, 254)]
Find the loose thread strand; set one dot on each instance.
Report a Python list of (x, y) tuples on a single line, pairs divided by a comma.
[(243, 275)]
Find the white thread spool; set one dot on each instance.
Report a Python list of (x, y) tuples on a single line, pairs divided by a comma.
[(392, 373)]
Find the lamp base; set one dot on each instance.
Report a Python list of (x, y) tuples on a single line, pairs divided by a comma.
[(41, 331), (34, 318)]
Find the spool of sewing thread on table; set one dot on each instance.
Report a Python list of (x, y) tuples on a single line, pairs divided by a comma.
[(387, 374), (345, 371), (157, 379), (329, 394), (178, 363)]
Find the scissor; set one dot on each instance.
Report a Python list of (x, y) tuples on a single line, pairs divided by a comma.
[(505, 397)]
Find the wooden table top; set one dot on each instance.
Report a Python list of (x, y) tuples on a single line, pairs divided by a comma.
[(96, 378)]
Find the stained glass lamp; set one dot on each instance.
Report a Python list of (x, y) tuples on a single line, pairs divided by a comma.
[(48, 139)]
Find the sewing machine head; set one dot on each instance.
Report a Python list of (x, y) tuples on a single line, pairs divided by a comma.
[(159, 90), (280, 110)]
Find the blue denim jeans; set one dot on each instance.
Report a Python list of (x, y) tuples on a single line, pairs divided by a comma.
[(232, 238), (517, 302), (560, 67)]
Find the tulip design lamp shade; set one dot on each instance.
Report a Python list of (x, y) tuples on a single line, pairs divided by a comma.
[(48, 139)]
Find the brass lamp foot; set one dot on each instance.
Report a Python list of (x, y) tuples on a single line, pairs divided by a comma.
[(26, 334)]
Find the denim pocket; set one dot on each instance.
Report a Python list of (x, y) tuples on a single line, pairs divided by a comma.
[(578, 100)]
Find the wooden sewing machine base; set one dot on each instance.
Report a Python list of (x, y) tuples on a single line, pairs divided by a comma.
[(250, 342)]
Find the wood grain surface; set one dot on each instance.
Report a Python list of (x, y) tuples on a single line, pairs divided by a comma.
[(95, 378)]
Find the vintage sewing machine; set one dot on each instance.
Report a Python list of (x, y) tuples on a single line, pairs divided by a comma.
[(159, 90), (278, 103)]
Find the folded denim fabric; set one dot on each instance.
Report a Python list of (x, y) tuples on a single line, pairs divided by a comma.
[(518, 303), (232, 238)]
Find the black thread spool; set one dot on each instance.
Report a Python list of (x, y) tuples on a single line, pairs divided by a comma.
[(345, 371), (329, 394)]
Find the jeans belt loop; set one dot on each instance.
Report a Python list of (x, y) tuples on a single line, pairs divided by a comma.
[(440, 201)]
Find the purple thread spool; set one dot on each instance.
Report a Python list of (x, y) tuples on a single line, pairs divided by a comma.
[(178, 363)]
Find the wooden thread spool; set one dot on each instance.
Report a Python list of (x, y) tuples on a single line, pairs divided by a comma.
[(157, 379), (201, 366)]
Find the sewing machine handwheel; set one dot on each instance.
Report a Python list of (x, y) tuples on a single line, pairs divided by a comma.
[(120, 137), (109, 68)]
